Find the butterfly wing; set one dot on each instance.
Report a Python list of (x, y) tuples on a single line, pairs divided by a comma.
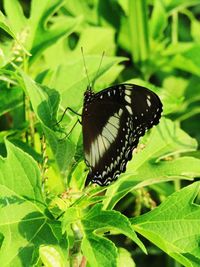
[(113, 121)]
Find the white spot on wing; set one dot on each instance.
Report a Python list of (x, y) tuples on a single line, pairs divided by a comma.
[(120, 112), (128, 92), (103, 141), (129, 109), (128, 99), (148, 102), (127, 86)]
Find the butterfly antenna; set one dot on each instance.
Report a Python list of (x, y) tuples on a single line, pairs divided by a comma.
[(95, 77), (86, 71)]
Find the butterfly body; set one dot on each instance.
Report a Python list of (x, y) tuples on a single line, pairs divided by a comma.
[(113, 120)]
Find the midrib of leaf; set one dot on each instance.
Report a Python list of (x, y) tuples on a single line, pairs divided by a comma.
[(27, 220), (25, 199)]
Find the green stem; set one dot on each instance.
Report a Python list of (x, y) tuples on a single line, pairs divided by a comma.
[(175, 28), (138, 24)]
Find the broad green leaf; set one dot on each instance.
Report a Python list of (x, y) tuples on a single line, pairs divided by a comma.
[(63, 149), (73, 86), (188, 60), (158, 21), (39, 36), (20, 175), (195, 29), (23, 220), (10, 98), (77, 7), (72, 214), (99, 251), (98, 221), (174, 226), (44, 100), (95, 40), (124, 31), (138, 24), (45, 103), (151, 164), (43, 36), (124, 258), (124, 5)]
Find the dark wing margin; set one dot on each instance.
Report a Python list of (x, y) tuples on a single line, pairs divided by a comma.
[(115, 120)]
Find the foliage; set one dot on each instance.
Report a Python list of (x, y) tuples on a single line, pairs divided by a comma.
[(47, 216)]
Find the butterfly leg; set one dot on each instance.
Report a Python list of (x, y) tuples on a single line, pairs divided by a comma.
[(68, 108), (66, 135)]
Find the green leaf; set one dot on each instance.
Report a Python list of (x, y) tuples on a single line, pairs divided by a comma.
[(15, 15), (124, 258), (99, 221), (179, 4), (44, 100), (95, 40), (158, 20), (73, 86), (151, 164), (138, 30), (195, 29), (5, 26), (45, 103), (10, 98), (23, 220), (174, 226), (43, 37), (99, 251), (77, 7), (188, 60)]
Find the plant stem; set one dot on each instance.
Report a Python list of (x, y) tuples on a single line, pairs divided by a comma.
[(138, 24), (175, 27)]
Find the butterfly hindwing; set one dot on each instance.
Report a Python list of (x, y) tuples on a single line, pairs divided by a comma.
[(113, 121)]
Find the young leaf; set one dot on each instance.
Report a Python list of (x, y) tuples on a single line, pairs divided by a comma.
[(45, 103), (150, 166), (174, 226), (100, 221), (24, 224)]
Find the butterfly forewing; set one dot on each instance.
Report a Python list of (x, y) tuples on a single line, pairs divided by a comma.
[(113, 121)]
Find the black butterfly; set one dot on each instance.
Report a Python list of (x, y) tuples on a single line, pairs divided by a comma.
[(113, 120)]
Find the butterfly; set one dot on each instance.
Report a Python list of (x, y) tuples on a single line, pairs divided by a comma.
[(113, 120)]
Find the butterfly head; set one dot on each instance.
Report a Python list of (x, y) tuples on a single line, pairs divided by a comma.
[(88, 95)]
